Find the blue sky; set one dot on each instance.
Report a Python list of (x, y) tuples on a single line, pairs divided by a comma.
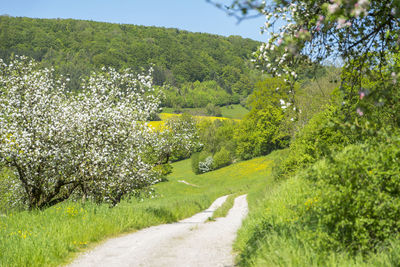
[(191, 15)]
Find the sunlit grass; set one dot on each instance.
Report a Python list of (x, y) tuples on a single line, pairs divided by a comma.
[(223, 210), (274, 233), (51, 237), (234, 111)]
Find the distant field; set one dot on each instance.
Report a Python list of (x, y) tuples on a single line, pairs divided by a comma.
[(165, 116), (231, 111), (52, 236), (234, 111)]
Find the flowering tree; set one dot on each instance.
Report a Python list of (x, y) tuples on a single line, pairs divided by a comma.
[(94, 143), (178, 138), (363, 34)]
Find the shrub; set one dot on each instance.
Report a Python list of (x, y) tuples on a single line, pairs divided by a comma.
[(195, 162), (317, 139), (213, 110), (260, 132), (201, 162), (358, 195), (206, 165), (221, 159)]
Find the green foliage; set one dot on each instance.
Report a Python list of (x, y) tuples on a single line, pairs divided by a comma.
[(262, 131), (314, 94), (275, 233), (267, 92), (164, 169), (358, 201), (75, 48), (316, 140), (217, 134), (196, 95), (222, 158), (213, 110), (195, 159)]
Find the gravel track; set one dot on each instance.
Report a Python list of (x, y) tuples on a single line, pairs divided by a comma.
[(189, 242)]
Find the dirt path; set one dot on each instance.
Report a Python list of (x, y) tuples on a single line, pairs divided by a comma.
[(190, 242)]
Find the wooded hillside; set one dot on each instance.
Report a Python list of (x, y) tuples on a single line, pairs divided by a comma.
[(77, 47)]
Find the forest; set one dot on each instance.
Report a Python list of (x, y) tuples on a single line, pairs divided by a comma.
[(199, 68)]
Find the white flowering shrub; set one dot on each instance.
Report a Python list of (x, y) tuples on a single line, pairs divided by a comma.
[(94, 143), (206, 165)]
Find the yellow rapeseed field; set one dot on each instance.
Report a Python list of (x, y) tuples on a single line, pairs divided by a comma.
[(158, 125)]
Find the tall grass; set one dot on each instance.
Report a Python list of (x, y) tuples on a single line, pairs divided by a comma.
[(53, 236), (274, 233)]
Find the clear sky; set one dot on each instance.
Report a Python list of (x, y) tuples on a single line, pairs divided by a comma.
[(191, 15)]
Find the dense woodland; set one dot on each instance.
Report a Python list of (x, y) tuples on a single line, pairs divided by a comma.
[(199, 68)]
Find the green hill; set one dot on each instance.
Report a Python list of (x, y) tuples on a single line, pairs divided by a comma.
[(77, 47)]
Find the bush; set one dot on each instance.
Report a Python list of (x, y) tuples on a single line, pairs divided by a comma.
[(358, 196), (213, 110), (260, 132), (221, 159), (201, 162), (316, 140), (206, 165), (195, 162)]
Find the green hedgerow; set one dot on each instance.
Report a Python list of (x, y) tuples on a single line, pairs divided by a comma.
[(358, 196), (319, 138)]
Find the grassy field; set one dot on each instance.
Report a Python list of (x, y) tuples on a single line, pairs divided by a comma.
[(53, 236), (234, 111)]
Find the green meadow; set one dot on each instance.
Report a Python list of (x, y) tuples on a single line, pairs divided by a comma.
[(234, 111)]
